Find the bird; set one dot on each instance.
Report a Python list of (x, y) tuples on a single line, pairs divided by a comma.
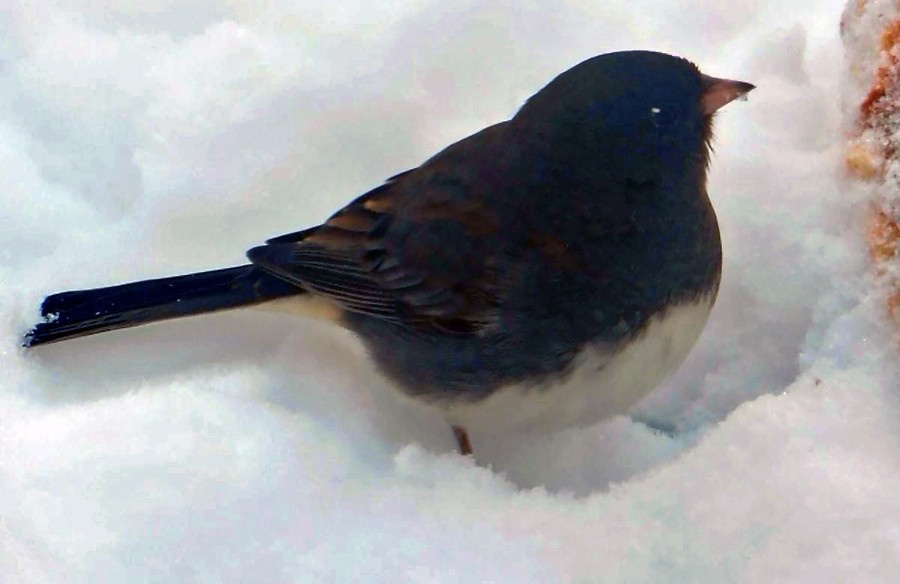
[(547, 271)]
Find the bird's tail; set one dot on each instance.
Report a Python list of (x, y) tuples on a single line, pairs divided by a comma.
[(85, 312)]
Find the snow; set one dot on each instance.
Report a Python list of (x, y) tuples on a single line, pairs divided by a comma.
[(137, 142)]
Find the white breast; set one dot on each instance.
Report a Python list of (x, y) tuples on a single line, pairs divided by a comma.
[(600, 385)]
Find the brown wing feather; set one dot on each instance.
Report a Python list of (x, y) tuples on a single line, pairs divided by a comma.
[(411, 250)]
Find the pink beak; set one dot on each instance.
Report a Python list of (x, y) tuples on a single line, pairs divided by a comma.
[(718, 92)]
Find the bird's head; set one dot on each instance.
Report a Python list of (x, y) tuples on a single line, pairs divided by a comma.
[(640, 115)]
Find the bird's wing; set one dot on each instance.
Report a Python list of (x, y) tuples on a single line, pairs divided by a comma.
[(420, 249)]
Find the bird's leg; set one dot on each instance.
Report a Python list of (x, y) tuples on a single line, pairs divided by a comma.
[(462, 440)]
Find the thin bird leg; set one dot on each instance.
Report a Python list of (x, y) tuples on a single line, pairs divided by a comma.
[(462, 440)]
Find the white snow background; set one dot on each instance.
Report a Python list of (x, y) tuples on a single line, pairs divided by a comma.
[(139, 140)]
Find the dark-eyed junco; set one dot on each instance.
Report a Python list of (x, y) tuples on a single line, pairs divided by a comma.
[(549, 270)]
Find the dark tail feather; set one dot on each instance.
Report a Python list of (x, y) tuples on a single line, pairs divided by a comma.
[(87, 312)]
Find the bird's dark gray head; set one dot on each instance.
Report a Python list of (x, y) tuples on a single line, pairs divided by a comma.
[(638, 113)]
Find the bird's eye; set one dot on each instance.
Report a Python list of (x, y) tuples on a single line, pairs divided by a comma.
[(664, 116)]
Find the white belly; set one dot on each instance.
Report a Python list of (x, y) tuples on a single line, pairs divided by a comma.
[(600, 385)]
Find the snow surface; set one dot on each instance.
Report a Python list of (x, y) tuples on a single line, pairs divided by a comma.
[(142, 140)]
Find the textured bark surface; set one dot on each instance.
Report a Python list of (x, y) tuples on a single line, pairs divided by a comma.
[(870, 30)]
